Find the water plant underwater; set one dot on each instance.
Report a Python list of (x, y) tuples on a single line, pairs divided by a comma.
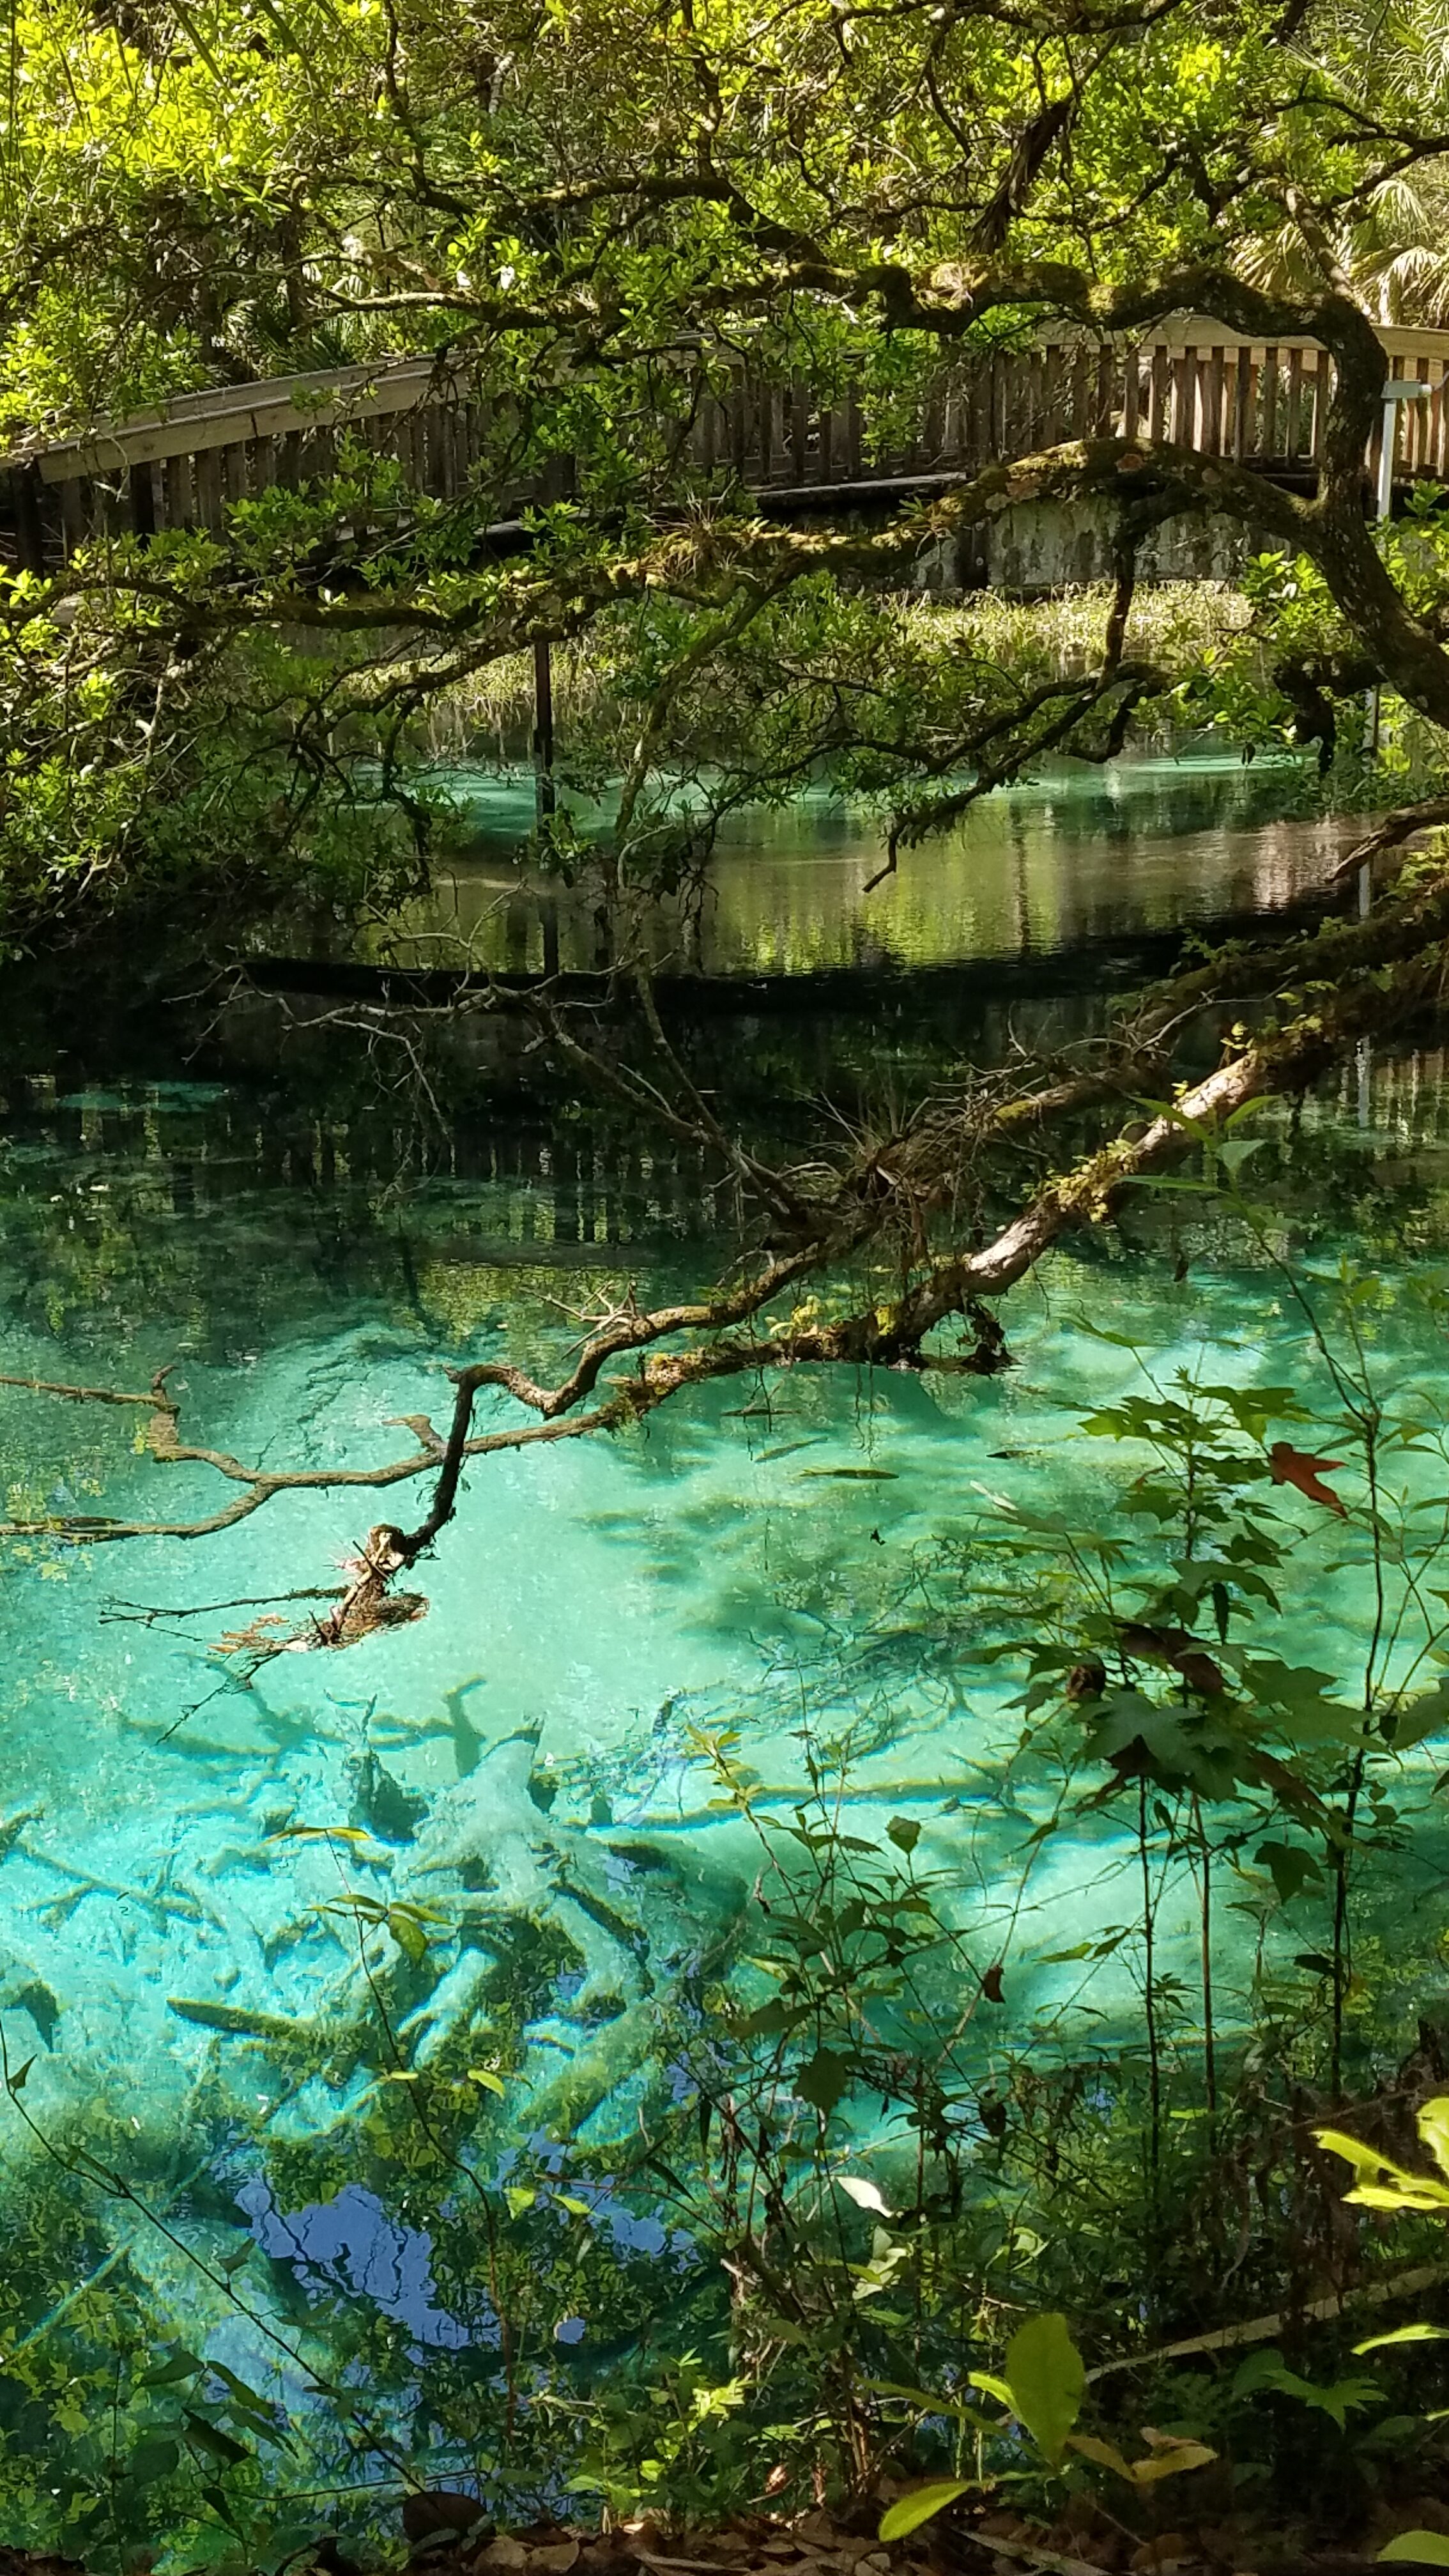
[(704, 2118)]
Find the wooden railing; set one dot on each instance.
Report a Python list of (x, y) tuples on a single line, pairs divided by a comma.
[(181, 465)]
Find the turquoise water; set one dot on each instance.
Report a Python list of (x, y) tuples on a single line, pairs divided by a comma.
[(817, 1557)]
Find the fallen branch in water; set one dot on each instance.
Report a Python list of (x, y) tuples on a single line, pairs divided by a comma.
[(1354, 980)]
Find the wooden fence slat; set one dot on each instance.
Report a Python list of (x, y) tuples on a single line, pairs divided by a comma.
[(143, 499), (74, 513), (1322, 397), (1034, 374), (206, 484), (799, 430), (1212, 437), (1182, 422), (1294, 441), (1269, 382), (1243, 383), (1053, 376), (1161, 381), (1131, 386), (1422, 418), (180, 507)]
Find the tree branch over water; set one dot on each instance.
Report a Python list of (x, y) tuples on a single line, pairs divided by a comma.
[(1382, 971)]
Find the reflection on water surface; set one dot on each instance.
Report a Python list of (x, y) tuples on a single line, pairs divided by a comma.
[(1081, 854)]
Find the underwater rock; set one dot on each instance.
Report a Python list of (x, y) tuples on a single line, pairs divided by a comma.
[(594, 2010), (14, 1826), (381, 1805), (237, 2021), (631, 1937), (456, 2002), (467, 1742), (42, 2006), (561, 2107), (641, 1855)]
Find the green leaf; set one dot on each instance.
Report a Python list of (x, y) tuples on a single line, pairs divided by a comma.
[(822, 2081), (1424, 2548), (153, 2459), (180, 2364), (1048, 2379), (1419, 1718), (1405, 2334), (1292, 1869), (216, 2498), (769, 2020), (319, 1834), (490, 2082), (1105, 2454), (1236, 1154), (1433, 2128), (904, 1833), (991, 2386), (909, 2511), (210, 2437), (410, 1937)]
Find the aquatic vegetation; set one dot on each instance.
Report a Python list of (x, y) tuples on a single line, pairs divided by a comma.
[(634, 2068)]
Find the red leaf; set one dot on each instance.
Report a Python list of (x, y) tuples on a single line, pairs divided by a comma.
[(1294, 1467), (991, 1983)]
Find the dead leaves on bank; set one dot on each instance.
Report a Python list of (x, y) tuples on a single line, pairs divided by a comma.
[(451, 2538), (446, 2532)]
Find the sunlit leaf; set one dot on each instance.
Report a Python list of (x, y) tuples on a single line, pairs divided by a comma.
[(1047, 2379), (1404, 2334), (864, 2194), (909, 2511)]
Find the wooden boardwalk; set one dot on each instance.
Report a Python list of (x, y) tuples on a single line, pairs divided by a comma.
[(181, 465)]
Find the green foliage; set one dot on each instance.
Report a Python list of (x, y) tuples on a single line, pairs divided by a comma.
[(592, 220)]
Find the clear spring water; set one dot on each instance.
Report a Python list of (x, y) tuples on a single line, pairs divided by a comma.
[(758, 1558)]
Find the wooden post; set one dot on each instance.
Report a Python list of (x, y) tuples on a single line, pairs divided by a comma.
[(74, 516), (29, 525)]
